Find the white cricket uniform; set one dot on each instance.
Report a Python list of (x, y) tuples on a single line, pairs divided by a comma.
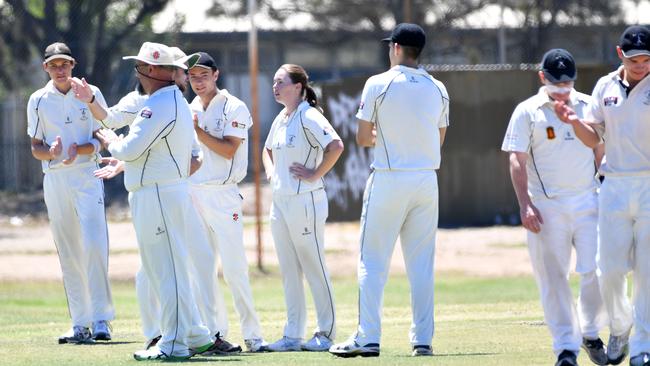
[(623, 121), (561, 183), (408, 107), (298, 215), (123, 114), (157, 161), (217, 198), (75, 202)]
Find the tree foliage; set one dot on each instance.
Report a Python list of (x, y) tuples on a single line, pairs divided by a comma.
[(97, 31)]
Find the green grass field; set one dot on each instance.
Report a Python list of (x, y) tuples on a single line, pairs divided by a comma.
[(478, 322)]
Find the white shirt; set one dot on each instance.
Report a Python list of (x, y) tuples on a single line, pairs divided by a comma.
[(623, 121), (125, 111), (225, 116), (559, 164), (298, 138), (158, 147), (51, 113), (408, 107)]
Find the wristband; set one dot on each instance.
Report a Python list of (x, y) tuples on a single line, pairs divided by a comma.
[(92, 100), (97, 145)]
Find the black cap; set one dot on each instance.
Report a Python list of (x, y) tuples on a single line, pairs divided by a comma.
[(407, 34), (635, 41), (57, 50), (205, 61), (558, 66)]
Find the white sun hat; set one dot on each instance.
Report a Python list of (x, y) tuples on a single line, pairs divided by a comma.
[(157, 54)]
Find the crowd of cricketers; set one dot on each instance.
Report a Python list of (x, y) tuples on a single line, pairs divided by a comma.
[(580, 167)]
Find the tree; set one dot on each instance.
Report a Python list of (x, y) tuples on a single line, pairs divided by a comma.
[(97, 31)]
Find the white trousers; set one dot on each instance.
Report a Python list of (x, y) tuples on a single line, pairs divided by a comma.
[(403, 204), (568, 222), (75, 207), (220, 208), (624, 245), (160, 214), (204, 281), (298, 228)]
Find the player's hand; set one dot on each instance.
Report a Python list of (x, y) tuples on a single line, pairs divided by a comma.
[(56, 148), (81, 89), (565, 113), (195, 118), (112, 168), (531, 219), (301, 172), (107, 137), (72, 154)]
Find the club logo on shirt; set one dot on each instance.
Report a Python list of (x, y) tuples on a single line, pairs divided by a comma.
[(235, 217), (160, 231), (550, 133), (236, 124), (647, 97), (84, 115), (412, 79), (291, 140), (609, 101), (306, 232), (569, 136), (67, 120), (146, 113), (219, 124)]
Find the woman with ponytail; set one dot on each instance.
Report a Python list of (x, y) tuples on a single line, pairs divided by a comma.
[(300, 149)]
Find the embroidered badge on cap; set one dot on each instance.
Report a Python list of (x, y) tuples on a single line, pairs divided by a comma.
[(146, 113)]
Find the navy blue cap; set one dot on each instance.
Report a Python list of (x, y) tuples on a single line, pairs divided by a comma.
[(407, 34), (558, 66), (635, 41), (205, 61)]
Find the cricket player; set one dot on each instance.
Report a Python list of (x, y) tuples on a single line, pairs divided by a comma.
[(61, 130), (221, 122), (619, 114), (157, 154), (300, 149), (553, 174), (404, 114), (123, 114)]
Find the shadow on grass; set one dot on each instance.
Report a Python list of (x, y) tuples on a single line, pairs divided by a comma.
[(457, 354)]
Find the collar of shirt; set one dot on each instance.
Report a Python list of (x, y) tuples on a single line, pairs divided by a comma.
[(218, 98), (165, 89), (304, 105), (542, 97), (411, 70), (52, 89)]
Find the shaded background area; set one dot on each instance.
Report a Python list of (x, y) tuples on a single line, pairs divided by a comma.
[(485, 51)]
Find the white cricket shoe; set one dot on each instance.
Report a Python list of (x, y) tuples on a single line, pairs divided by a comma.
[(351, 348), (318, 343), (77, 335), (285, 344), (618, 348), (155, 353), (102, 330), (255, 345)]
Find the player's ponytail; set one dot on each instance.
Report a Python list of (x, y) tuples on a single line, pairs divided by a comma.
[(297, 74)]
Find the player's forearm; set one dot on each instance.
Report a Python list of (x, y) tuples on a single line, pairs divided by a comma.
[(267, 162), (97, 110), (331, 154), (223, 147), (585, 133), (41, 152), (519, 178)]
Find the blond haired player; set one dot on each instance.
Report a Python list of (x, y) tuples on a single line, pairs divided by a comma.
[(61, 130)]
